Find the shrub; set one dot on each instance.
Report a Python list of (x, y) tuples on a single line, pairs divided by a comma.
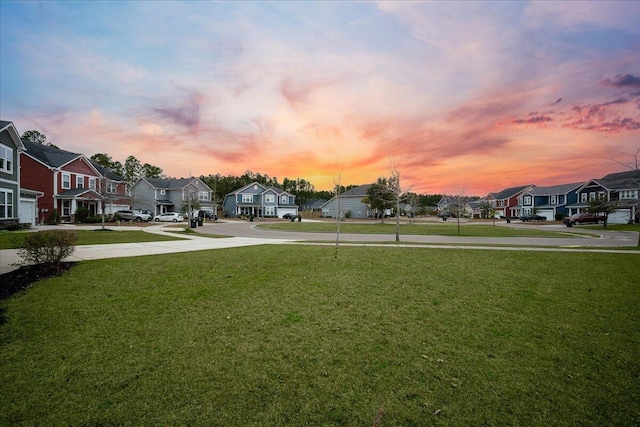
[(54, 217), (117, 217), (82, 214), (559, 217), (14, 226), (92, 219), (47, 247)]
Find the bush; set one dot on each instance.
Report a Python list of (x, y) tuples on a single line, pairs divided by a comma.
[(559, 217), (54, 217), (82, 214), (14, 226), (47, 247), (92, 220)]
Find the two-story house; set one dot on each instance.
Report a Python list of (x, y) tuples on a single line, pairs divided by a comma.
[(506, 201), (68, 181), (10, 148), (548, 201), (160, 195), (621, 188), (257, 200)]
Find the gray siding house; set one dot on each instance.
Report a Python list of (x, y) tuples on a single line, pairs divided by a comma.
[(348, 203), (257, 200), (10, 148), (160, 195)]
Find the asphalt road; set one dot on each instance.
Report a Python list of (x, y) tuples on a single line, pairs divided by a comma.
[(591, 238)]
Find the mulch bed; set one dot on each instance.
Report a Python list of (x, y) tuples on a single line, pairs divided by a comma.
[(20, 279)]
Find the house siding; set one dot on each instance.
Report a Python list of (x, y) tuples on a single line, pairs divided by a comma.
[(10, 182)]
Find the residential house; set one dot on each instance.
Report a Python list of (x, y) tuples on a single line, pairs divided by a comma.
[(68, 181), (469, 205), (160, 195), (257, 200), (10, 148), (621, 188), (506, 201), (549, 202), (349, 204)]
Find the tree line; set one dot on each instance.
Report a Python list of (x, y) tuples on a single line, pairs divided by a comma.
[(132, 169)]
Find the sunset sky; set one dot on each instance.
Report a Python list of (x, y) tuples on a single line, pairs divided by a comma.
[(460, 95)]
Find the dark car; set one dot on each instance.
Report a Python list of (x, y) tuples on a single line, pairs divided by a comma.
[(533, 217), (288, 216), (584, 218)]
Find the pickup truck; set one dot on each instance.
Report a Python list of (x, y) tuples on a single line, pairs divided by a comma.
[(584, 218)]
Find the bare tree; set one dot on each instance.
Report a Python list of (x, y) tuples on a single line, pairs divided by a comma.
[(458, 199), (395, 186), (337, 187)]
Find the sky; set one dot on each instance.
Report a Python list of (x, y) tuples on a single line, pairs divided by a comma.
[(466, 97)]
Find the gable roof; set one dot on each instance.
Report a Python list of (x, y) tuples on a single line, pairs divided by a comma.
[(50, 156), (508, 193), (359, 191), (13, 132), (170, 183), (555, 189)]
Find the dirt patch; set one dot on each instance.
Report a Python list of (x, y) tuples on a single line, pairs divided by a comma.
[(20, 279)]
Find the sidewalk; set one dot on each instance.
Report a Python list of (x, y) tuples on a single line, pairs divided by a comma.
[(9, 257)]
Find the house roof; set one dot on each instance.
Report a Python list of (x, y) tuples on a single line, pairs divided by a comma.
[(75, 192), (106, 172), (555, 189), (621, 180), (50, 156), (359, 191), (507, 193), (168, 183), (9, 127)]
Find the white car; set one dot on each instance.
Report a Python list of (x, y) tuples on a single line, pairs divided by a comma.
[(169, 217)]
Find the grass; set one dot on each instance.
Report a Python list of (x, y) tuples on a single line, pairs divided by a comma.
[(616, 227), (474, 230), (13, 240), (282, 335)]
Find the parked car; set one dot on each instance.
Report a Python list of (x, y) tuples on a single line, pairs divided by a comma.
[(206, 213), (584, 218), (133, 215), (533, 217), (169, 217), (288, 216)]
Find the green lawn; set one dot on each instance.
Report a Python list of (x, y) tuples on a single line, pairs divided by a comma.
[(441, 229), (290, 335), (13, 240)]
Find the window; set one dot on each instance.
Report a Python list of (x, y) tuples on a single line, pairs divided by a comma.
[(602, 195), (269, 211), (247, 198), (628, 194), (583, 197), (92, 183), (284, 200), (6, 204), (592, 196), (554, 200), (501, 203), (6, 159), (269, 198), (111, 187), (66, 181), (203, 195), (527, 200), (79, 181), (66, 207), (163, 192)]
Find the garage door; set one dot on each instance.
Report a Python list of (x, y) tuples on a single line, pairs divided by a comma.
[(28, 211), (547, 213), (283, 211), (619, 217)]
